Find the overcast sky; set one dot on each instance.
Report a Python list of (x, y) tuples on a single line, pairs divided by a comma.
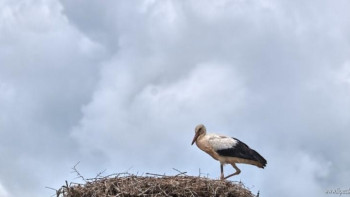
[(121, 85)]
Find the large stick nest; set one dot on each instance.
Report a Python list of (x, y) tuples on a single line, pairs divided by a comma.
[(133, 185)]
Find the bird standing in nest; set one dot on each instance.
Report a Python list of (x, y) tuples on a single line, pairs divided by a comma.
[(227, 150)]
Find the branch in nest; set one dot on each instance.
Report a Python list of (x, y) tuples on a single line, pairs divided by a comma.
[(180, 173), (77, 172), (155, 174)]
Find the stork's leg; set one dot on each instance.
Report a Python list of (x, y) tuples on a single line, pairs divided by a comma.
[(222, 171), (237, 171)]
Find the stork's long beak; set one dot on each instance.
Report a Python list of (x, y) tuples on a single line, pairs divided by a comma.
[(194, 138)]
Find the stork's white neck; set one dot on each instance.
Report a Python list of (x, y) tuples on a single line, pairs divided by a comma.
[(201, 136)]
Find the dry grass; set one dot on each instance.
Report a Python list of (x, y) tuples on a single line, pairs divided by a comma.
[(126, 184)]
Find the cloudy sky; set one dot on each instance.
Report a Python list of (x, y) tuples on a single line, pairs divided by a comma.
[(120, 86)]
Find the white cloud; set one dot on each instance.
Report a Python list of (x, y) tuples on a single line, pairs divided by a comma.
[(295, 174), (342, 76), (124, 125), (45, 76), (3, 191)]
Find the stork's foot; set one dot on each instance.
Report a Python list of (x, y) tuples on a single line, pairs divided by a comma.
[(222, 177), (236, 173)]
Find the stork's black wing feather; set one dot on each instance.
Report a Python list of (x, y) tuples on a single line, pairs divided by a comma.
[(241, 150)]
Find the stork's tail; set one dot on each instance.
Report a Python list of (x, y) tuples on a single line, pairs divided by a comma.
[(261, 161)]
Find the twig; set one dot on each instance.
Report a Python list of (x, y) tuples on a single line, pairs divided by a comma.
[(77, 172), (57, 194), (51, 188), (180, 173), (154, 174), (205, 175), (99, 174)]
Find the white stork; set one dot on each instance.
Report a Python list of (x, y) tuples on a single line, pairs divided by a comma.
[(227, 150)]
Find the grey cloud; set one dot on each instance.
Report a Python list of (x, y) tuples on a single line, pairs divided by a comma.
[(48, 70)]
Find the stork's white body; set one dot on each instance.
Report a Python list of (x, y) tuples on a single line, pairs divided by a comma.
[(227, 150), (212, 143)]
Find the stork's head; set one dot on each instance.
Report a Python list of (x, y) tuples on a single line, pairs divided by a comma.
[(199, 130)]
